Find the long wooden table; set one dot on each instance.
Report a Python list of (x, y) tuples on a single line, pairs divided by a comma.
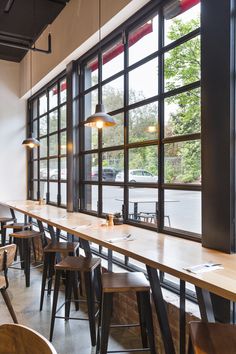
[(157, 251)]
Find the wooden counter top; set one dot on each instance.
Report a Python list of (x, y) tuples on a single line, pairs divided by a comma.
[(166, 253)]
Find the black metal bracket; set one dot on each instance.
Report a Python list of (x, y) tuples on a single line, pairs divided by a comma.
[(25, 45)]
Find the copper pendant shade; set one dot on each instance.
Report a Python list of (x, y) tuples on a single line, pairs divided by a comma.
[(31, 142), (99, 119)]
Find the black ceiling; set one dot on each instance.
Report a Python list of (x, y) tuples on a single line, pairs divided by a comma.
[(22, 21)]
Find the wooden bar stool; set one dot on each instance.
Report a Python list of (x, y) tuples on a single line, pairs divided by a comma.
[(91, 269), (23, 239), (212, 338), (125, 282), (7, 254), (3, 222)]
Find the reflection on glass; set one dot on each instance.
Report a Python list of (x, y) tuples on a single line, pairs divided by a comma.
[(63, 194), (43, 126), (53, 145), (35, 128), (35, 190), (91, 198), (53, 168), (183, 162), (143, 164), (43, 147), (91, 167), (35, 169), (143, 40), (182, 64), (43, 185), (42, 104), (114, 135), (143, 123), (43, 169), (146, 73), (143, 205), (63, 91), (183, 209), (182, 24), (112, 199), (91, 73), (53, 121), (113, 94), (63, 117), (53, 97), (112, 163), (63, 143), (53, 192), (35, 108), (113, 60), (182, 113), (63, 168)]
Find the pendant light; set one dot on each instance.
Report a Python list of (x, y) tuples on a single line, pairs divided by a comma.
[(99, 119)]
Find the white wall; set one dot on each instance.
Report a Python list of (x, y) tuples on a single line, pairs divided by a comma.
[(12, 133)]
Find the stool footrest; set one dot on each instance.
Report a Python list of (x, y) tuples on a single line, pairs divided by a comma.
[(129, 350), (125, 325)]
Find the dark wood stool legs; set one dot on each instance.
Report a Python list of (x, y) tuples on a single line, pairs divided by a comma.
[(9, 305)]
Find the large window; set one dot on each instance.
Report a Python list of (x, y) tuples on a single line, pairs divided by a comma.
[(147, 167), (48, 162)]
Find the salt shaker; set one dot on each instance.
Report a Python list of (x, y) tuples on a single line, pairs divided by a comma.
[(111, 220)]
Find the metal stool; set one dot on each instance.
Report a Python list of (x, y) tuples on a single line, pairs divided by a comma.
[(125, 282), (212, 338), (91, 268)]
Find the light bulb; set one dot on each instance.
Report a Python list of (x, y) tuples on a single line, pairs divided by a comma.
[(99, 124), (152, 129), (31, 145)]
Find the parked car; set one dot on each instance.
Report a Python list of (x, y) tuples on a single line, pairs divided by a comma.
[(108, 174), (142, 176)]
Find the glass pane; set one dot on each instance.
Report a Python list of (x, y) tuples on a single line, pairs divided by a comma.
[(63, 91), (143, 81), (183, 210), (53, 96), (182, 64), (35, 169), (112, 199), (91, 198), (53, 168), (42, 104), (43, 147), (91, 167), (143, 205), (63, 194), (35, 128), (91, 73), (183, 162), (53, 145), (182, 113), (53, 191), (143, 123), (112, 163), (91, 138), (113, 60), (35, 190), (35, 108), (113, 94), (143, 164), (63, 168), (43, 126), (63, 117), (43, 189), (35, 153), (63, 143), (53, 121), (143, 40), (182, 24), (43, 169), (114, 135)]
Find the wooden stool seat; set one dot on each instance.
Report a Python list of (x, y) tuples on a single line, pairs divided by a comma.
[(212, 338), (17, 226), (80, 264), (18, 339), (123, 282), (61, 247), (25, 234)]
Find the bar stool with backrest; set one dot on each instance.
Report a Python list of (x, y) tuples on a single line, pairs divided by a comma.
[(212, 338), (7, 254), (91, 269), (51, 254), (119, 283), (19, 339)]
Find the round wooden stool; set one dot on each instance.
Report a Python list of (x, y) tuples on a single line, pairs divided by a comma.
[(71, 266), (212, 338), (125, 282)]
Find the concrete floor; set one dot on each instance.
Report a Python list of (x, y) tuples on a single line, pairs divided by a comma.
[(71, 337)]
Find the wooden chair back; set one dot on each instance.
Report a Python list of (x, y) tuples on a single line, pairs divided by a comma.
[(7, 254), (18, 339)]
